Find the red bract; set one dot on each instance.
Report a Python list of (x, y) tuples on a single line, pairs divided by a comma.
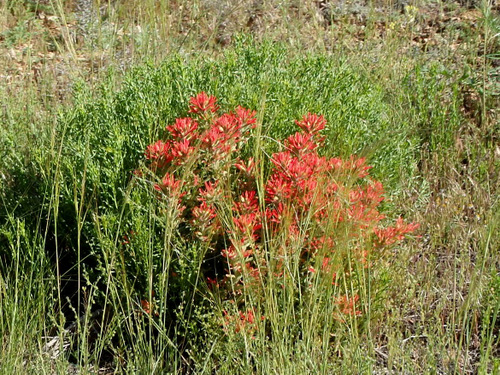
[(184, 128), (278, 189), (244, 321), (218, 143), (245, 117), (300, 142), (246, 167), (247, 224), (228, 125), (311, 123), (229, 253), (309, 165), (248, 203), (210, 192), (391, 235), (203, 103), (146, 306), (243, 248), (204, 214), (357, 165), (347, 305), (282, 160), (158, 151), (277, 214), (169, 185), (354, 166), (213, 137), (181, 150)]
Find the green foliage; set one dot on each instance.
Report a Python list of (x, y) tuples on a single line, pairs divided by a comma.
[(106, 138), (434, 105)]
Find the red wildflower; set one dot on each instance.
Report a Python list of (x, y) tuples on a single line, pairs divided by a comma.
[(247, 167), (243, 321), (312, 123), (248, 203), (336, 163), (247, 223), (249, 316), (305, 197), (213, 136), (391, 235), (245, 116), (210, 192), (325, 264), (202, 103), (278, 189), (300, 142), (204, 213), (181, 149), (229, 253), (169, 184), (212, 282), (228, 125), (148, 307), (184, 128), (364, 215), (277, 214), (157, 150), (347, 305), (358, 165), (353, 165), (320, 243), (310, 164), (125, 240), (217, 142), (282, 160), (375, 192)]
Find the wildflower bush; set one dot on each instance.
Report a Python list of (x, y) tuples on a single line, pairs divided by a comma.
[(292, 223)]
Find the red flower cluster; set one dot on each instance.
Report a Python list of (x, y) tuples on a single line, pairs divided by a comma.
[(347, 306), (202, 104), (305, 200)]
